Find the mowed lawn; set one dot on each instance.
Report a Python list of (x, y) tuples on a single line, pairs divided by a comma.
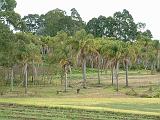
[(80, 109)]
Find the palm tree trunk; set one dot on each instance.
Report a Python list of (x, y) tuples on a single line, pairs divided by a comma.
[(112, 75), (33, 71), (12, 77), (117, 70), (99, 62), (5, 74), (84, 72), (152, 68), (26, 77), (69, 76), (158, 60), (66, 82), (61, 78), (22, 72), (92, 64), (126, 64), (43, 74)]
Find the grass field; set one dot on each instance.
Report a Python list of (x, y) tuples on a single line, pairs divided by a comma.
[(143, 83), (80, 109), (96, 102)]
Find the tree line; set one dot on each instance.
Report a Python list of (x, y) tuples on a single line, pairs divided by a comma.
[(65, 42)]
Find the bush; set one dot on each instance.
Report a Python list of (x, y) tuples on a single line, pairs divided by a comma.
[(150, 89), (158, 69), (137, 67), (145, 95), (157, 95), (131, 92)]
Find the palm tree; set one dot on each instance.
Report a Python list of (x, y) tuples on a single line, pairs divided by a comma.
[(96, 54), (104, 51), (84, 44), (65, 66), (152, 56), (115, 51), (128, 55)]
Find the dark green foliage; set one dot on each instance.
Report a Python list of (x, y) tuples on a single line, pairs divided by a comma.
[(33, 22), (8, 15), (92, 27), (7, 44), (57, 20), (8, 5), (125, 28), (121, 26)]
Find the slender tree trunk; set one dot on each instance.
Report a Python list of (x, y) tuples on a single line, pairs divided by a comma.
[(112, 75), (158, 60), (70, 73), (6, 76), (66, 82), (99, 80), (126, 64), (84, 72), (61, 79), (12, 78), (106, 69), (33, 71), (158, 65), (92, 64), (50, 82), (43, 73), (152, 68), (117, 70), (23, 75), (145, 64), (26, 77), (99, 62)]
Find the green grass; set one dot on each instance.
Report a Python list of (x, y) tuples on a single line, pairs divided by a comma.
[(118, 105), (94, 103), (93, 91), (80, 109), (19, 112)]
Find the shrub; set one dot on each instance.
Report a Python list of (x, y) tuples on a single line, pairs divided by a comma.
[(158, 69), (131, 92), (157, 95), (150, 89), (145, 95)]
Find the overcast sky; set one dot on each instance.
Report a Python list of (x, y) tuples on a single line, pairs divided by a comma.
[(146, 11)]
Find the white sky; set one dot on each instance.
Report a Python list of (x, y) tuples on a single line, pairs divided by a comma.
[(146, 11)]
